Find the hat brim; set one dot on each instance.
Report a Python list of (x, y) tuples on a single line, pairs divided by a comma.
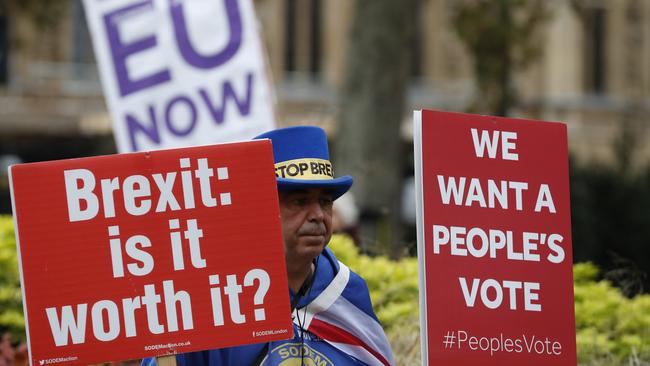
[(337, 186)]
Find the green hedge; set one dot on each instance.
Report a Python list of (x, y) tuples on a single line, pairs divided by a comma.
[(609, 325), (11, 308), (611, 329)]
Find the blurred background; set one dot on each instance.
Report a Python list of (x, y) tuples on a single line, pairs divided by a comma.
[(360, 68)]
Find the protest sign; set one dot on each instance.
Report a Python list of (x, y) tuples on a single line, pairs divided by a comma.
[(494, 241), (146, 254), (181, 73)]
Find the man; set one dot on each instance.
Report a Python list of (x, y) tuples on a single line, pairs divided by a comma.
[(333, 320)]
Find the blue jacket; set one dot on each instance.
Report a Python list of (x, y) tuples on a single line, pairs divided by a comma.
[(320, 344)]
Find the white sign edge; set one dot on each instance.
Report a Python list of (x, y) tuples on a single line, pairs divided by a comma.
[(20, 261), (419, 214)]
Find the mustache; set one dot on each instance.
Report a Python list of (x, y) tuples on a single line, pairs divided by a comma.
[(312, 228)]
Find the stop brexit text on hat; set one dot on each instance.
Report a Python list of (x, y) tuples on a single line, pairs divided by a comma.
[(146, 254), (494, 240), (301, 156)]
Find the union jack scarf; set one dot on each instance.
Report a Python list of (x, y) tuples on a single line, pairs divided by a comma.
[(337, 320)]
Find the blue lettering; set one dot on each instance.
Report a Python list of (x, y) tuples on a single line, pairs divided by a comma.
[(185, 45), (168, 115), (228, 93), (148, 129), (121, 51), (134, 127)]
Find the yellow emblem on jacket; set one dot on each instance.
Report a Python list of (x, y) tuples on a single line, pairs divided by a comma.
[(288, 354)]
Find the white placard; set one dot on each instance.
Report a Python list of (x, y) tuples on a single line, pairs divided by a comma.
[(181, 72)]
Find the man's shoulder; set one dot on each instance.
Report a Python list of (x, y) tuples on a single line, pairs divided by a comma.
[(356, 290), (355, 280)]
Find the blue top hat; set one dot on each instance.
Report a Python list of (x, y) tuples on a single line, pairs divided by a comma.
[(302, 160)]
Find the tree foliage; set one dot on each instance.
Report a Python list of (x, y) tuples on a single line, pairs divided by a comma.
[(500, 36), (43, 14)]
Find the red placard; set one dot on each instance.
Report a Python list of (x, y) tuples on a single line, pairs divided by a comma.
[(494, 241), (147, 254)]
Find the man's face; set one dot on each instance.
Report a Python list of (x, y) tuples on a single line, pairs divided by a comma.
[(306, 221)]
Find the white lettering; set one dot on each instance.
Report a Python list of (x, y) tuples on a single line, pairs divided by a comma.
[(69, 325), (98, 320), (480, 144), (140, 255), (507, 145), (136, 191), (544, 199), (470, 296), (233, 289), (497, 192), (491, 143), (553, 241), (171, 298), (530, 293), (76, 194), (136, 186)]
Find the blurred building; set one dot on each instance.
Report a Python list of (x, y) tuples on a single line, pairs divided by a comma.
[(593, 74)]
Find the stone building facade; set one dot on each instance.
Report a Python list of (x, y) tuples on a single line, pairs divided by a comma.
[(593, 74)]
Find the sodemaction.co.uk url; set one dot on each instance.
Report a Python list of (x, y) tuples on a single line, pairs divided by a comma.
[(155, 347)]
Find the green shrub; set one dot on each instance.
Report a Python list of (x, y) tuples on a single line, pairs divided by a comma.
[(610, 328), (394, 292), (393, 285), (609, 325), (11, 308)]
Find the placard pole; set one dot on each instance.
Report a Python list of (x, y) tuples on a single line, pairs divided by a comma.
[(166, 360)]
